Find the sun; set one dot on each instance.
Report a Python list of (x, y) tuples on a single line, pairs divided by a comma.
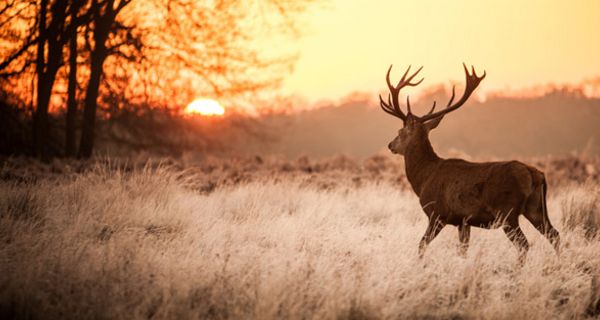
[(205, 107)]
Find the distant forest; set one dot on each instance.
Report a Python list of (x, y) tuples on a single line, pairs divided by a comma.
[(557, 123), (560, 122)]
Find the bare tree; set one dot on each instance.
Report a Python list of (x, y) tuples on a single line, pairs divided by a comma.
[(160, 53), (18, 32), (103, 23), (52, 36), (51, 28), (71, 114), (177, 49)]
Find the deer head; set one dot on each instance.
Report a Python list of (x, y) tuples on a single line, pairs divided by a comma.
[(417, 128)]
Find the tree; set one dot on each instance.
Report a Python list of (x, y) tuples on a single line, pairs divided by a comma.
[(184, 48), (136, 54), (54, 35), (103, 20), (71, 115), (18, 34), (52, 28), (215, 44)]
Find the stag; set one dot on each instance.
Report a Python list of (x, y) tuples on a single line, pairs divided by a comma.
[(460, 193)]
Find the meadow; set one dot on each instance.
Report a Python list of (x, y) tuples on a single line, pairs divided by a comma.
[(269, 238)]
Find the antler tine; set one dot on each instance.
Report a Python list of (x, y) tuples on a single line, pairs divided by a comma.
[(387, 78), (416, 83), (472, 81), (393, 106), (404, 75), (432, 108), (393, 102), (452, 97), (386, 107), (383, 104), (408, 81), (408, 105)]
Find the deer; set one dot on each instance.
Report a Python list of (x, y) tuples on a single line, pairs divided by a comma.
[(465, 194)]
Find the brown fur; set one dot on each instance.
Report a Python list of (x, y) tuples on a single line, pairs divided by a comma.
[(461, 193), (465, 194)]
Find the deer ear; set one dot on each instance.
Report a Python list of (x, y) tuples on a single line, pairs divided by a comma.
[(433, 123)]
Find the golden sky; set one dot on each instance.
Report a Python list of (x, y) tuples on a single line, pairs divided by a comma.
[(349, 44)]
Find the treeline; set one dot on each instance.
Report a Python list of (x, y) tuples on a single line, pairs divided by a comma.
[(560, 122)]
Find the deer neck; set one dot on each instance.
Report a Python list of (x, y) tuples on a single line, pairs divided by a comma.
[(419, 160)]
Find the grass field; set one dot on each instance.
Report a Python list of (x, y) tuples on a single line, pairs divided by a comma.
[(263, 239)]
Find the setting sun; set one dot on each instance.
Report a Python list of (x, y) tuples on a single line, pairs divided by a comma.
[(205, 107)]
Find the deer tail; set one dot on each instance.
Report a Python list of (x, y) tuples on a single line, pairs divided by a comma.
[(543, 195)]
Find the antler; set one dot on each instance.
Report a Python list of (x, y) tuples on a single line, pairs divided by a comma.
[(392, 106), (472, 82)]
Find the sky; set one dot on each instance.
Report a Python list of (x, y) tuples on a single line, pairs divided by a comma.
[(348, 45)]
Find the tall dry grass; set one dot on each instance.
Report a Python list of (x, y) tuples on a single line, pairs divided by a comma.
[(148, 243), (581, 205)]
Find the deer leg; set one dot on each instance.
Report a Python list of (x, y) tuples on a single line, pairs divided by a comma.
[(433, 229), (464, 233), (542, 224), (515, 234), (537, 213)]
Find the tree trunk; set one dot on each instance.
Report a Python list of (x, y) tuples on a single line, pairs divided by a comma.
[(40, 117), (71, 92), (48, 64), (102, 27), (86, 145)]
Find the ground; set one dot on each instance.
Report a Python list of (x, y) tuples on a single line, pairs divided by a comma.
[(258, 238)]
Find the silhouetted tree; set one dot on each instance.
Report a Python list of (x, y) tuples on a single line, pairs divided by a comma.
[(162, 53), (71, 115), (51, 37), (103, 21), (52, 28), (198, 48), (18, 31), (216, 44)]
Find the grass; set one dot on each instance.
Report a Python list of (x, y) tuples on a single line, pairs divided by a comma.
[(153, 242), (583, 208)]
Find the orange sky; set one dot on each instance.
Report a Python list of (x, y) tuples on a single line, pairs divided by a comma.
[(349, 44)]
